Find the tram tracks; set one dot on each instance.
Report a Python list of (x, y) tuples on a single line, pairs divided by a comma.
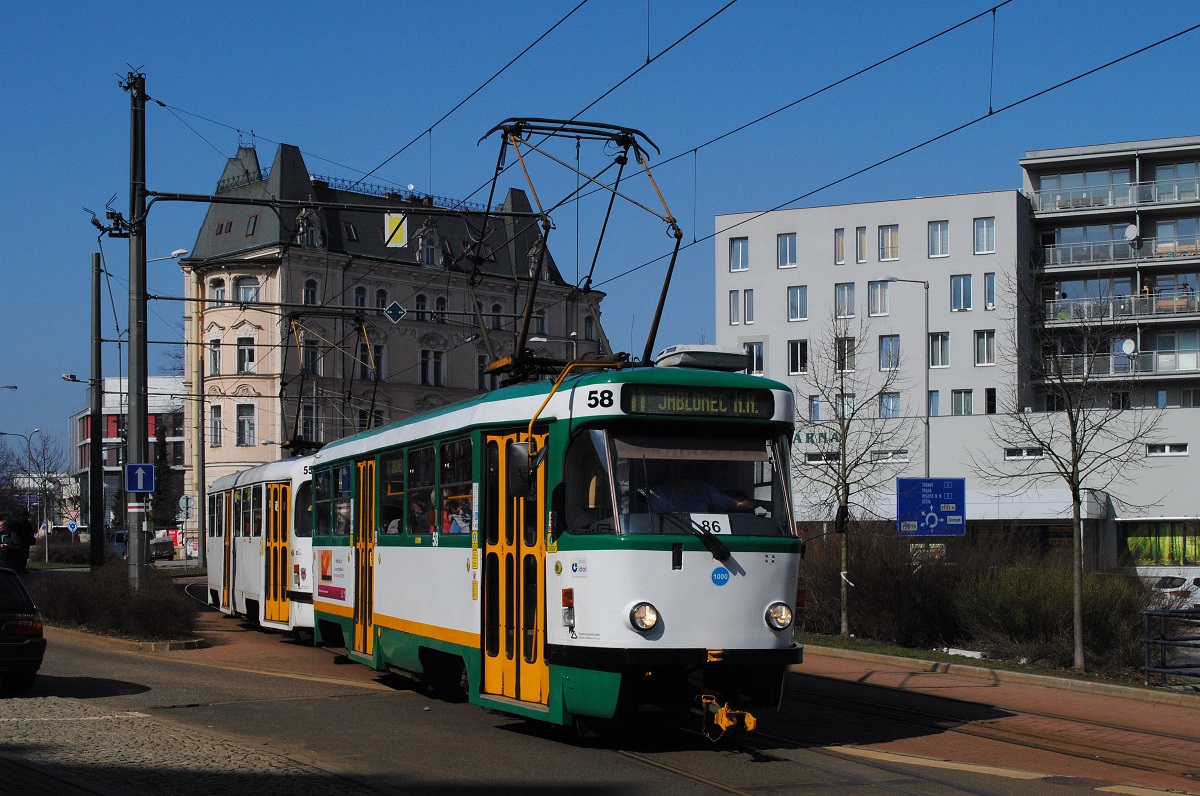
[(1123, 746)]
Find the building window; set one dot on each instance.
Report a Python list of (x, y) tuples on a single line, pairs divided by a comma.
[(370, 362), (843, 299), (985, 235), (739, 254), (890, 456), (1120, 399), (860, 244), (309, 422), (934, 396), (797, 357), (748, 315), (360, 297), (844, 405), (217, 292), (844, 353), (381, 300), (839, 246), (1167, 449), (486, 382), (960, 293), (421, 307), (889, 351), (889, 404), (735, 307), (939, 238), (960, 402), (310, 292), (814, 407), (786, 250), (1016, 454), (989, 291), (889, 242), (797, 298), (214, 357), (989, 397), (498, 318), (245, 424), (939, 349), (589, 328), (433, 370), (245, 355), (439, 309), (755, 353), (214, 426), (985, 347), (251, 224), (310, 358), (247, 288), (349, 231), (877, 298)]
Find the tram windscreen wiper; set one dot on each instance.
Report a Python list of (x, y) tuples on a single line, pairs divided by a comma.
[(715, 546)]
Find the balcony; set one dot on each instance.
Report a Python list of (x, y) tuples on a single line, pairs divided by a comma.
[(1155, 192), (1120, 251), (1120, 365), (1120, 308)]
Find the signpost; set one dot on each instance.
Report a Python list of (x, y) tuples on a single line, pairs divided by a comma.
[(931, 506)]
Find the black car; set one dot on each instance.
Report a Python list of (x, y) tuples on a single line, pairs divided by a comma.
[(22, 643)]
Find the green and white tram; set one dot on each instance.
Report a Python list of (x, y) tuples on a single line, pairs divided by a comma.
[(259, 537), (641, 551)]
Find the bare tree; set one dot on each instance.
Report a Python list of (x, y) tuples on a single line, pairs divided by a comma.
[(849, 410), (1075, 360)]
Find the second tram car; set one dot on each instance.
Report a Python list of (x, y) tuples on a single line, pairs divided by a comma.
[(641, 550), (259, 537)]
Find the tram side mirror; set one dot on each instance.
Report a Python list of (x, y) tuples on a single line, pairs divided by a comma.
[(521, 470)]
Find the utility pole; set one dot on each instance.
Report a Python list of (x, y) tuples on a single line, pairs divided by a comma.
[(96, 435), (137, 446)]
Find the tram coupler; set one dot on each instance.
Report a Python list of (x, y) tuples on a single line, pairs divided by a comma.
[(716, 718)]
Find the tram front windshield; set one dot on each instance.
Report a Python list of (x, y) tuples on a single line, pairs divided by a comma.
[(671, 484)]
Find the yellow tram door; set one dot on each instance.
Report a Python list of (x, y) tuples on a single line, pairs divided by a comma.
[(275, 578), (514, 592), (226, 509), (363, 531)]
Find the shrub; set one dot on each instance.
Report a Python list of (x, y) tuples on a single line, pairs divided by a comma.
[(101, 601)]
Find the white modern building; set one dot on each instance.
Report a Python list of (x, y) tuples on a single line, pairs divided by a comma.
[(936, 292)]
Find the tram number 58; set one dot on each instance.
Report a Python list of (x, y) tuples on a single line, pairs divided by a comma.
[(599, 398)]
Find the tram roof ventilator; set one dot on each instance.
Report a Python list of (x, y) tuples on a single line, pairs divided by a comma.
[(707, 357)]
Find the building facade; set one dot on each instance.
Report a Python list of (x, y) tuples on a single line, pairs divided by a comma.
[(313, 322), (952, 297)]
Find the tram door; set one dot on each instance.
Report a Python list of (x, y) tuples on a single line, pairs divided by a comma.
[(363, 531), (514, 594), (275, 578), (226, 509)]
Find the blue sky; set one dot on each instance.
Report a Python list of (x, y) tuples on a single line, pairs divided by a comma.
[(351, 83)]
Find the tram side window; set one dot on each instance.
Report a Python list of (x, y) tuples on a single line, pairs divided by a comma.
[(391, 501), (256, 510), (456, 486), (341, 500), (246, 524), (322, 501), (215, 516), (421, 481), (235, 512), (304, 510)]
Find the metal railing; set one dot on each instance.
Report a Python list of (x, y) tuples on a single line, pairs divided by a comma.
[(1113, 251), (1114, 308), (1117, 195), (1146, 362), (1175, 630)]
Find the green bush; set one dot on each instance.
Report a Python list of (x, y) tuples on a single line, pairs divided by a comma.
[(101, 601)]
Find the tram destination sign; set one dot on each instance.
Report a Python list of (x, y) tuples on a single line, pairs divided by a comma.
[(673, 400)]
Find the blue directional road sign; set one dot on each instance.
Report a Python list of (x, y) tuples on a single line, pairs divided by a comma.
[(931, 506), (139, 478)]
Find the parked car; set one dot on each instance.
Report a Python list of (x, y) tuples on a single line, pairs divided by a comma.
[(160, 546), (117, 543), (22, 643), (1178, 591)]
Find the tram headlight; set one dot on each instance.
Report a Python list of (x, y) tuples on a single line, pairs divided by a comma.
[(779, 616), (643, 617)]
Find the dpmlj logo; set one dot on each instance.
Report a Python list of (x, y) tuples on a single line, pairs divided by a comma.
[(720, 576)]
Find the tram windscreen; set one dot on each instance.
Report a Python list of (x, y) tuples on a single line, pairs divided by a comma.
[(676, 484)]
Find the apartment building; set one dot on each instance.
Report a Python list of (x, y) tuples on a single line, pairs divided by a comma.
[(308, 323)]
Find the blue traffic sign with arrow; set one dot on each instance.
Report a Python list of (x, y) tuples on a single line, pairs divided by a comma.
[(139, 478)]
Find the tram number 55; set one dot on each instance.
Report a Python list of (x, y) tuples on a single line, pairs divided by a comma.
[(599, 398)]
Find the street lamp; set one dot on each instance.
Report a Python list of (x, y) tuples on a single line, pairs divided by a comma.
[(8, 386), (175, 255), (572, 338), (925, 284)]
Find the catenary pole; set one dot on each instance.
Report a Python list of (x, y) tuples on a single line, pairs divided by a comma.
[(96, 434), (137, 444)]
